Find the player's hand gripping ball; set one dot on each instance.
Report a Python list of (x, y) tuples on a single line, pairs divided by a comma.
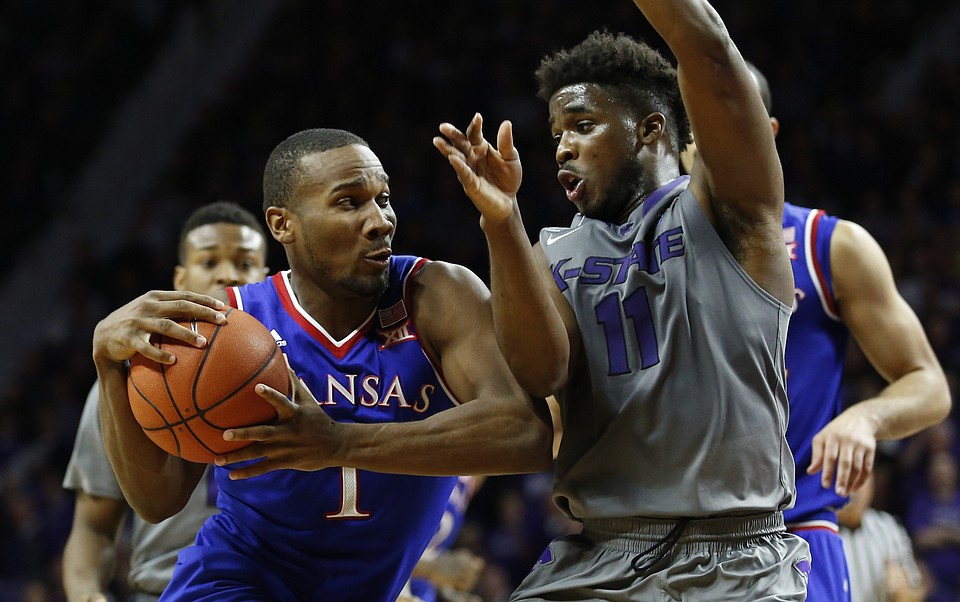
[(185, 407)]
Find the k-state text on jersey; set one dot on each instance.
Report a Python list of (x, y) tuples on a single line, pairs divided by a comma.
[(603, 270)]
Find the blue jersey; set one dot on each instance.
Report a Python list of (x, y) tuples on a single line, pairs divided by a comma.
[(337, 533), (815, 354)]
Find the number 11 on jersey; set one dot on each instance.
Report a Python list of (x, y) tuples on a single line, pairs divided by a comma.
[(636, 308)]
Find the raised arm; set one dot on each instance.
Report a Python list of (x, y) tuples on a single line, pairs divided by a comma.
[(156, 484), (497, 429), (739, 180), (529, 329), (892, 338)]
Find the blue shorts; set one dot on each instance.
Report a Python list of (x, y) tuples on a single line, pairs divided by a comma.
[(829, 580)]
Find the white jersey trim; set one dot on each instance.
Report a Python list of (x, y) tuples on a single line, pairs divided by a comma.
[(811, 250), (296, 304)]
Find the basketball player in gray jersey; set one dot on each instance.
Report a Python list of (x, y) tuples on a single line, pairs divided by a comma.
[(658, 317), (221, 245)]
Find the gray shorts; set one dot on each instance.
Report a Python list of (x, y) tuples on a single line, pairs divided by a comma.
[(735, 559)]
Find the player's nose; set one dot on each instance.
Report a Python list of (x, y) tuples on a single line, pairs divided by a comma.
[(380, 222), (565, 149), (227, 274)]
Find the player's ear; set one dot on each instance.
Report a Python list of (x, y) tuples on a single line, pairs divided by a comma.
[(280, 221), (179, 278), (651, 128), (775, 124)]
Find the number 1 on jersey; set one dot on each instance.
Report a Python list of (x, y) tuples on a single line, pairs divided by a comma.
[(636, 307), (349, 494)]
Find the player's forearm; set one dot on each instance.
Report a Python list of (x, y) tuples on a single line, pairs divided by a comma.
[(447, 443), (529, 330), (909, 404), (155, 484), (89, 562)]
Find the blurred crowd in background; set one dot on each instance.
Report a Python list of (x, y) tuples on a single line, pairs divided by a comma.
[(867, 95)]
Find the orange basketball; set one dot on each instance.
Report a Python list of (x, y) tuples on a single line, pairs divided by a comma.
[(185, 407)]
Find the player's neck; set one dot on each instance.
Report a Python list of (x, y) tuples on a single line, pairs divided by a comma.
[(339, 315)]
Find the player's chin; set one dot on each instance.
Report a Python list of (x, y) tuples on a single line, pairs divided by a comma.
[(370, 285)]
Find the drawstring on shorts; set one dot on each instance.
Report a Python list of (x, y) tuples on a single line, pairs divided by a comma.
[(666, 544)]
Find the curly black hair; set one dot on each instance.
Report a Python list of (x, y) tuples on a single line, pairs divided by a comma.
[(636, 73), (282, 172)]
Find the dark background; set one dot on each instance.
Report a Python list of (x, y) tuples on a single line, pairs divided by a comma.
[(120, 117)]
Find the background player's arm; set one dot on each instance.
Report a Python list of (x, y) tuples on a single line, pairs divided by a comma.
[(458, 568), (498, 429), (89, 557), (156, 484), (738, 179), (893, 340)]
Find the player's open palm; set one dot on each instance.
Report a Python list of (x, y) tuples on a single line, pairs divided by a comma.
[(303, 436), (845, 449), (490, 176)]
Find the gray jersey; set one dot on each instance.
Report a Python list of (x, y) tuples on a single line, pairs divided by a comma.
[(154, 547), (679, 400)]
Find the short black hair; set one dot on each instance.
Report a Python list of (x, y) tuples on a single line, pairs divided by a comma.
[(218, 212), (638, 75), (763, 86), (281, 175)]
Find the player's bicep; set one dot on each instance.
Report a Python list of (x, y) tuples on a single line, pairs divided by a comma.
[(882, 322), (740, 166), (102, 515), (454, 316)]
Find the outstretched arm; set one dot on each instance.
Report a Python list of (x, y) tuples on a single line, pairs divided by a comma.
[(156, 484), (498, 429), (892, 338), (530, 331), (738, 181)]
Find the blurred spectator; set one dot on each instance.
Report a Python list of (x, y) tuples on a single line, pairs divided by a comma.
[(933, 520)]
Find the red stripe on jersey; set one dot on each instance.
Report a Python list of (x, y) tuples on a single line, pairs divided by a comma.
[(812, 249), (338, 351), (232, 297)]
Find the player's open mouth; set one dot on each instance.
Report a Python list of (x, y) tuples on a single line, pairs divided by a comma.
[(572, 183), (381, 257)]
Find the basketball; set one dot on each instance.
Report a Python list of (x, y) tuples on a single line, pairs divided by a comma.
[(185, 407)]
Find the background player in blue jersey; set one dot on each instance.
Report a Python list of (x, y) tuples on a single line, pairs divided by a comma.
[(221, 245), (446, 573), (658, 317), (400, 354), (844, 286)]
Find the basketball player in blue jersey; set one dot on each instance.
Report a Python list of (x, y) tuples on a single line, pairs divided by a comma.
[(396, 373), (658, 317), (844, 286), (221, 245)]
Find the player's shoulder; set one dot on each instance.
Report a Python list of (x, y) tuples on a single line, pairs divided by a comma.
[(552, 235), (251, 294), (445, 278)]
